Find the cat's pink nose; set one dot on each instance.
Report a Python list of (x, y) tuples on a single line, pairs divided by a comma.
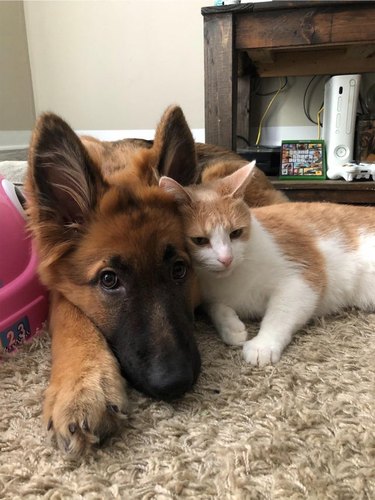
[(227, 260)]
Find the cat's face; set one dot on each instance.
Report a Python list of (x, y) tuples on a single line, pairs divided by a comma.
[(217, 231), (216, 219)]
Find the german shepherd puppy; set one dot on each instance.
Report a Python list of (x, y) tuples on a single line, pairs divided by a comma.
[(112, 253)]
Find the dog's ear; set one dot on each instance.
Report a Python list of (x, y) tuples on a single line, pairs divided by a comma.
[(174, 147), (63, 181)]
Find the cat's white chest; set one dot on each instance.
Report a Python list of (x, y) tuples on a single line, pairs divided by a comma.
[(256, 274), (246, 293)]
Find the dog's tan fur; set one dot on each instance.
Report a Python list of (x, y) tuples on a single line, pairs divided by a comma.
[(212, 162)]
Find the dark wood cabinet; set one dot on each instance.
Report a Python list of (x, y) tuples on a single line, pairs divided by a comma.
[(283, 38)]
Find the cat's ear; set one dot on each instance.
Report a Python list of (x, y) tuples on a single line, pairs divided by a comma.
[(175, 189), (236, 183)]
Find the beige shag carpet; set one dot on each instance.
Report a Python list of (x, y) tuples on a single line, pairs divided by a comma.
[(304, 428)]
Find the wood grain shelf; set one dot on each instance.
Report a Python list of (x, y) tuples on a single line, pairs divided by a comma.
[(340, 191)]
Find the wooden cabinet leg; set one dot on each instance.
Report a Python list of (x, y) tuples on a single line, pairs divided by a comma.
[(220, 62)]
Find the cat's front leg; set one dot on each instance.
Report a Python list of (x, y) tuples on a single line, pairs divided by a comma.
[(289, 308), (228, 325)]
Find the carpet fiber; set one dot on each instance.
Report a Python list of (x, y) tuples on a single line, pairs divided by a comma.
[(304, 428)]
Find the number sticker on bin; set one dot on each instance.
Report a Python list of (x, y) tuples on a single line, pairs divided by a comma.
[(15, 335)]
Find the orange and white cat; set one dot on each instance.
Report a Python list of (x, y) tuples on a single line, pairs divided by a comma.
[(282, 263)]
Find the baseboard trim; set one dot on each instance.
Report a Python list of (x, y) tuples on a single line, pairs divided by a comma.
[(20, 139), (148, 134), (14, 139), (271, 136)]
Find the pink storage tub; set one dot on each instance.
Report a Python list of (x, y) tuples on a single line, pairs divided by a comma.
[(23, 299)]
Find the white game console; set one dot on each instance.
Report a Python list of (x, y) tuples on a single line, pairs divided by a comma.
[(340, 108)]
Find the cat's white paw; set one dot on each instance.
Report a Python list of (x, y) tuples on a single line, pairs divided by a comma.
[(233, 332), (229, 326), (260, 352)]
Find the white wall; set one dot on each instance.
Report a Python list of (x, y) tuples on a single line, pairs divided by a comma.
[(286, 119), (116, 64)]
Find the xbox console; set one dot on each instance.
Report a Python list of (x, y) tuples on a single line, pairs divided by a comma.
[(340, 109)]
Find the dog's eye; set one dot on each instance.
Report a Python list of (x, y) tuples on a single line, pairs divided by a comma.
[(179, 270), (236, 234), (200, 241), (109, 280)]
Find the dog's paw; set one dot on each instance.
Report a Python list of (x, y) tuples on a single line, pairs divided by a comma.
[(82, 409), (258, 352)]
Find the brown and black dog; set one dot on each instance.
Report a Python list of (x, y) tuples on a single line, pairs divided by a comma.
[(112, 253)]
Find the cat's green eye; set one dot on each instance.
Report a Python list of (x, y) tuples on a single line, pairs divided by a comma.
[(200, 241), (236, 234)]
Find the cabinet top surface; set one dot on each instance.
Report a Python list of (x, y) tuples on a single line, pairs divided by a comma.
[(280, 5)]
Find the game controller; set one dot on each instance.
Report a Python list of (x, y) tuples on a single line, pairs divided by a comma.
[(352, 171), (23, 299)]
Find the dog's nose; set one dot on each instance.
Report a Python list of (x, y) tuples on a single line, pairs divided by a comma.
[(171, 385), (172, 378)]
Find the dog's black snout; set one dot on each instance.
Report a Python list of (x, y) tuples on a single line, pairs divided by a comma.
[(172, 382), (171, 387), (163, 366)]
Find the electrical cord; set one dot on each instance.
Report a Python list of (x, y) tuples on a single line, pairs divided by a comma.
[(265, 113), (362, 104), (318, 120), (274, 91), (305, 107), (242, 138)]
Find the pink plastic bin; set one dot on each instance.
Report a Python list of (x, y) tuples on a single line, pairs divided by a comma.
[(23, 299)]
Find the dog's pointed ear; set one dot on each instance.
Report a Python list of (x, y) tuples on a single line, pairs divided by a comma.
[(175, 148), (63, 181)]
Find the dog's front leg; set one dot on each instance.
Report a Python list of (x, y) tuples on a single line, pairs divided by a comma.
[(86, 399)]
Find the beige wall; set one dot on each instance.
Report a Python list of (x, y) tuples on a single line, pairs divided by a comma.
[(16, 95), (117, 64)]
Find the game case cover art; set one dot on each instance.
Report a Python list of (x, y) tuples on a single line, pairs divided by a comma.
[(302, 160)]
